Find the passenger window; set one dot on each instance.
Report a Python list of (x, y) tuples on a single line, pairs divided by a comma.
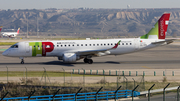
[(69, 45), (72, 45), (57, 45), (61, 45), (104, 44), (89, 44), (34, 46), (81, 44), (130, 43), (97, 44), (93, 44), (111, 44), (108, 44), (86, 44), (65, 45), (119, 43), (122, 43), (101, 44), (77, 44), (126, 43)]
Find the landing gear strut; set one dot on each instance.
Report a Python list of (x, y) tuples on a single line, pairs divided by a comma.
[(90, 61), (22, 60)]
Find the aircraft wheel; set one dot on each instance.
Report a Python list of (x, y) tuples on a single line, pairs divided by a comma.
[(22, 62), (90, 61), (85, 60)]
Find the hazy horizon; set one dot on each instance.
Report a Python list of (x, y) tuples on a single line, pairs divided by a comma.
[(70, 4)]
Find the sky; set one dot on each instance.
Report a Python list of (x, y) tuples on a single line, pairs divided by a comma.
[(70, 4)]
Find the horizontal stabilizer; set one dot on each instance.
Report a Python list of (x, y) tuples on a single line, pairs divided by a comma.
[(168, 41)]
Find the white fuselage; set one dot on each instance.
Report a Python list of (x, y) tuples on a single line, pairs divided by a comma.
[(60, 47), (9, 34)]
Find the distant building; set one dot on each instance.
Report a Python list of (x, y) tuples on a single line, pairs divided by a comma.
[(128, 6)]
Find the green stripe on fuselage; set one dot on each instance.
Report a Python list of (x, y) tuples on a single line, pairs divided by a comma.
[(36, 48)]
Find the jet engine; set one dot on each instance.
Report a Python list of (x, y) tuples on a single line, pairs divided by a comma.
[(70, 57)]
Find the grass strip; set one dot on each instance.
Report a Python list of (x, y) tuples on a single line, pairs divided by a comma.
[(2, 49), (38, 74), (7, 43)]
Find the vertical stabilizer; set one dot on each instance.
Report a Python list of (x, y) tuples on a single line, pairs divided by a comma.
[(18, 30), (160, 28), (1, 28)]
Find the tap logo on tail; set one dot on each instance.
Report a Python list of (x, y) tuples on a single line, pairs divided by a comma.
[(163, 25), (160, 28)]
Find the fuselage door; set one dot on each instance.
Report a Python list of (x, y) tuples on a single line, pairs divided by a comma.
[(27, 47), (136, 43)]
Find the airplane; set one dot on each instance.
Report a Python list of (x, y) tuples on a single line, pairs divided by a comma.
[(72, 50), (10, 34)]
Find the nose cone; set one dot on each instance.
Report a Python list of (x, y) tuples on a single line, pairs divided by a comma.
[(5, 53)]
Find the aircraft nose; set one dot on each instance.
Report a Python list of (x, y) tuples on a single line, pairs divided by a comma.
[(5, 53)]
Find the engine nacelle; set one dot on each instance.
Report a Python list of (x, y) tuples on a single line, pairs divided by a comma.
[(70, 57)]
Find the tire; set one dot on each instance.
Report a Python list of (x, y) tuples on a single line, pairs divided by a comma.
[(90, 61), (22, 62), (86, 60)]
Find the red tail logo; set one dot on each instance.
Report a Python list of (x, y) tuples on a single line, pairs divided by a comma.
[(163, 25), (18, 30), (1, 28)]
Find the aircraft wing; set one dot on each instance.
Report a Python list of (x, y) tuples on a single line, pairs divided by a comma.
[(168, 41), (90, 52), (94, 52)]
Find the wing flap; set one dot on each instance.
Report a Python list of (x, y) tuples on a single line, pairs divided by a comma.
[(90, 52)]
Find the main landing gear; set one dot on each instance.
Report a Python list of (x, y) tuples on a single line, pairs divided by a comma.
[(90, 61), (22, 60)]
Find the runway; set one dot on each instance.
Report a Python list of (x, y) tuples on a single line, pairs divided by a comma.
[(165, 57)]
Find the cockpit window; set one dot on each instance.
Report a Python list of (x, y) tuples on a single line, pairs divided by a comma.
[(14, 46)]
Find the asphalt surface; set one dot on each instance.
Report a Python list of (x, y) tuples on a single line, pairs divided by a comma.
[(165, 57), (168, 97)]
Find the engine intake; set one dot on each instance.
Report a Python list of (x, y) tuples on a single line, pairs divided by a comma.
[(69, 57)]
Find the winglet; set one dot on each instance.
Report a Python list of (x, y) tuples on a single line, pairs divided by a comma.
[(116, 45)]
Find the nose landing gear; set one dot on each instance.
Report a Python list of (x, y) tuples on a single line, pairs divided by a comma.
[(89, 61), (22, 60)]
